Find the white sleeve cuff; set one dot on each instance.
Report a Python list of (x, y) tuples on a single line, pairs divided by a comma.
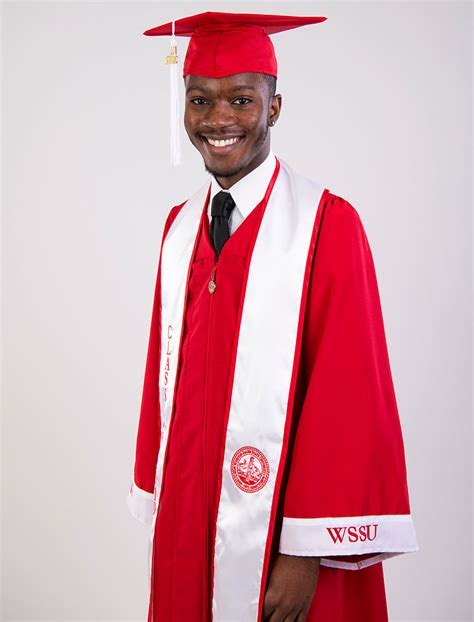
[(140, 503), (383, 535)]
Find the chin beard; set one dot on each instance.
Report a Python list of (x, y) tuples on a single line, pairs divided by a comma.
[(231, 172)]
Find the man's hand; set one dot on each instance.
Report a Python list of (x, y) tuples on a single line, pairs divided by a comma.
[(291, 588)]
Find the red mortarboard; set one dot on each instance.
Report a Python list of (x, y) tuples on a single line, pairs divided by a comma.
[(223, 44)]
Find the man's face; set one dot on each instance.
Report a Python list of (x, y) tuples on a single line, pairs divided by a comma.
[(236, 107)]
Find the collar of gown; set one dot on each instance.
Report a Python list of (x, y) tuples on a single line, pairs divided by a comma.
[(248, 191)]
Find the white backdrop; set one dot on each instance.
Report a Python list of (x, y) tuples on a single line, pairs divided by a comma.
[(376, 107)]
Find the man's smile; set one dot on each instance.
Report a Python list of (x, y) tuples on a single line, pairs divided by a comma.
[(221, 146)]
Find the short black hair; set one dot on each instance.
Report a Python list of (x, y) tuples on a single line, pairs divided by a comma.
[(271, 83)]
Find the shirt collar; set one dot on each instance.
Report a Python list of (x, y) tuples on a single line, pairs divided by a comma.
[(250, 189)]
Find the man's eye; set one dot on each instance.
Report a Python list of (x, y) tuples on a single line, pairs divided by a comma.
[(200, 100)]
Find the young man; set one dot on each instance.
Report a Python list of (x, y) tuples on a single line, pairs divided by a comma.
[(269, 458)]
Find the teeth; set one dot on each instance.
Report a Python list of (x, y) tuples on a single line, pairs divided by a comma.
[(222, 143)]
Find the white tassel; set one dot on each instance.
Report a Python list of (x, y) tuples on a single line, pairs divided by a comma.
[(172, 61)]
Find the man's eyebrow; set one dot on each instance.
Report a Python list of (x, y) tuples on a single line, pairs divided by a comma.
[(238, 87)]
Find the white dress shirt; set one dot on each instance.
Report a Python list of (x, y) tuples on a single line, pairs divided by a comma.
[(247, 192)]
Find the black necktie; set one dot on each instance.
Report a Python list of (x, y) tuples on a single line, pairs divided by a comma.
[(221, 208)]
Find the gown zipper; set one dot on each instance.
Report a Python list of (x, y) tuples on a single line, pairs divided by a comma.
[(212, 286), (212, 283)]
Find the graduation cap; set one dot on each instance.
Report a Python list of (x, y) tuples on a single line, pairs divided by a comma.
[(222, 44)]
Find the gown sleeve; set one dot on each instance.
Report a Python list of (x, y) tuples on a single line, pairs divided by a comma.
[(140, 498), (346, 498)]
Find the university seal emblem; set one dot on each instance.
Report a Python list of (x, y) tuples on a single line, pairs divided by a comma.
[(249, 469)]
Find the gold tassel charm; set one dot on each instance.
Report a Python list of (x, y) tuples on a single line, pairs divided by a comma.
[(172, 58)]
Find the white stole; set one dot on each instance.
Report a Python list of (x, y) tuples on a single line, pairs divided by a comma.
[(263, 368)]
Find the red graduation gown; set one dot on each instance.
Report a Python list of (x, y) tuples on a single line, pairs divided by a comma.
[(344, 387)]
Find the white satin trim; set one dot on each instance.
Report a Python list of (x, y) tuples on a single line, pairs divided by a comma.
[(140, 504), (385, 535)]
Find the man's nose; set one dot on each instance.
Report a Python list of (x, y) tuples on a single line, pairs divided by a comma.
[(220, 114)]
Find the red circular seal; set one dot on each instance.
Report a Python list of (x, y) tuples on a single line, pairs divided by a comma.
[(249, 469)]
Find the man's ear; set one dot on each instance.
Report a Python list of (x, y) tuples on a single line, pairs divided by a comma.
[(275, 106)]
